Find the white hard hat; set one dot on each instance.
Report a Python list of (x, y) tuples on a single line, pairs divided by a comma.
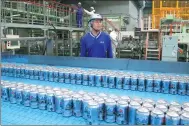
[(79, 3), (92, 8), (110, 29), (95, 16)]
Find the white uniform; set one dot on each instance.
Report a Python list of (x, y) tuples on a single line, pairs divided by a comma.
[(114, 37), (90, 13)]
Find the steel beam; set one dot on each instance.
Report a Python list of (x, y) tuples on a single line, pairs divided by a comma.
[(24, 39)]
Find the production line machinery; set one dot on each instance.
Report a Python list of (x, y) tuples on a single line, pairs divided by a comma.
[(90, 66)]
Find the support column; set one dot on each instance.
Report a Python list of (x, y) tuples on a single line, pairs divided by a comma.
[(70, 39)]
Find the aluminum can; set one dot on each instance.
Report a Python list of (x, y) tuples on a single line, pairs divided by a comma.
[(50, 98), (101, 103), (17, 72), (22, 73), (5, 93), (46, 75), (185, 118), (127, 83), (12, 95), (41, 75), (165, 86), (134, 83), (79, 77), (85, 79), (19, 96), (142, 116), (162, 107), (173, 87), (149, 84), (31, 73), (58, 103), (42, 100), (67, 77), (67, 106), (86, 100), (157, 85), (72, 78), (133, 106), (77, 105), (172, 118), (100, 80), (34, 99), (157, 117), (182, 87), (36, 74), (110, 111), (56, 76), (92, 80), (61, 77), (141, 84), (122, 110), (111, 81), (119, 82), (26, 97), (51, 76), (93, 112)]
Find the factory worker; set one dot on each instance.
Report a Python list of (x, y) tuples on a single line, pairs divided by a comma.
[(114, 38), (79, 15), (96, 43), (91, 12)]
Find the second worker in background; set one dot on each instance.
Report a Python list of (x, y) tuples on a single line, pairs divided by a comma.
[(96, 43)]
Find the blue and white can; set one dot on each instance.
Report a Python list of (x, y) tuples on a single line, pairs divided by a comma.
[(58, 103), (149, 106), (17, 72), (91, 80), (172, 118), (165, 86), (22, 72), (41, 75), (36, 74), (134, 83), (50, 98), (5, 93), (79, 77), (12, 95), (122, 110), (182, 87), (26, 97), (42, 102), (149, 84), (72, 78), (67, 106), (162, 107), (101, 103), (51, 76), (185, 118), (27, 76), (86, 100), (111, 81), (85, 79), (157, 85), (110, 111), (142, 116), (157, 117), (19, 96), (141, 84), (100, 81), (46, 75), (119, 82), (93, 112), (127, 83), (61, 77), (31, 73), (34, 99), (173, 87), (56, 76), (10, 71), (133, 106), (77, 105)]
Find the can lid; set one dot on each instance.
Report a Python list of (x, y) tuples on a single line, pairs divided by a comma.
[(41, 90), (148, 105), (161, 107), (149, 101), (172, 114), (48, 87), (185, 115), (56, 89), (175, 109), (139, 100), (186, 109), (93, 103), (58, 93), (161, 101), (175, 104), (113, 96), (102, 95), (76, 96), (125, 98), (86, 98), (100, 100), (92, 94), (186, 104), (64, 90), (143, 110), (50, 91), (81, 92), (110, 101), (122, 102), (135, 104), (157, 111)]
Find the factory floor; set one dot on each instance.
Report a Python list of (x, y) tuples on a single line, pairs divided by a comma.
[(13, 114)]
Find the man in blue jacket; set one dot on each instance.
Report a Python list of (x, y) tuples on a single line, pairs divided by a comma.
[(96, 43), (79, 16)]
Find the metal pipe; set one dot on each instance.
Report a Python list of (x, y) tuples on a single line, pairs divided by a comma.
[(23, 39)]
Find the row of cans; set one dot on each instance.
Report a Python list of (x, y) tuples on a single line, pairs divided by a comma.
[(101, 78), (96, 108)]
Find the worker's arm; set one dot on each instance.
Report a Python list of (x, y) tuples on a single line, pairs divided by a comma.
[(109, 50), (83, 48), (89, 13)]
